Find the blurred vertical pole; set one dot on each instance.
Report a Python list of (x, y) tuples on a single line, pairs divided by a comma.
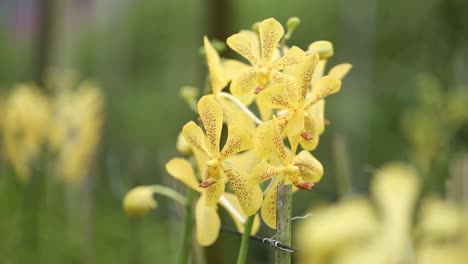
[(33, 192), (45, 39), (220, 18)]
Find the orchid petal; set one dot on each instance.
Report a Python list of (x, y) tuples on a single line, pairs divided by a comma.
[(249, 196), (304, 73), (310, 127), (310, 168), (244, 85), (207, 222), (340, 71), (237, 141), (275, 97), (194, 135), (294, 56), (268, 140), (211, 114), (326, 86), (232, 68), (271, 33), (182, 170), (268, 210), (264, 111), (214, 191), (296, 123), (217, 78), (243, 45), (263, 172)]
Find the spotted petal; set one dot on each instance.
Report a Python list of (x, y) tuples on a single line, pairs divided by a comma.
[(243, 45), (211, 114), (230, 202), (311, 140), (268, 210), (217, 78), (194, 135), (237, 141), (254, 39), (182, 170), (271, 33), (325, 86), (304, 73), (263, 172), (294, 56), (317, 112), (296, 123), (249, 196), (276, 97), (207, 222), (244, 85), (268, 140), (214, 191)]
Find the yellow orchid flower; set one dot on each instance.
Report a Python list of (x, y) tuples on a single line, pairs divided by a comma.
[(302, 170), (263, 70), (207, 219), (218, 168)]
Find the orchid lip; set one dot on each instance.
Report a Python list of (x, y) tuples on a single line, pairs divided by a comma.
[(305, 185), (206, 184), (259, 89), (306, 135)]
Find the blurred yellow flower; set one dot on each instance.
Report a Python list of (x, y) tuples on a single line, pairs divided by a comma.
[(351, 224), (354, 231), (25, 128), (76, 130)]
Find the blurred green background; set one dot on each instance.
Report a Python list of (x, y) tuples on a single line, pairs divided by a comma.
[(141, 52)]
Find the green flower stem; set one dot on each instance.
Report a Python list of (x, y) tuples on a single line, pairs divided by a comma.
[(236, 101), (283, 222), (244, 247), (168, 192), (188, 226)]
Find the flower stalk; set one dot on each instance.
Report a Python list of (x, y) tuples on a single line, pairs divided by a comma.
[(283, 222), (244, 247), (188, 226)]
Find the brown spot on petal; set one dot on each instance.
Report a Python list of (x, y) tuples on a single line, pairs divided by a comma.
[(326, 122)]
